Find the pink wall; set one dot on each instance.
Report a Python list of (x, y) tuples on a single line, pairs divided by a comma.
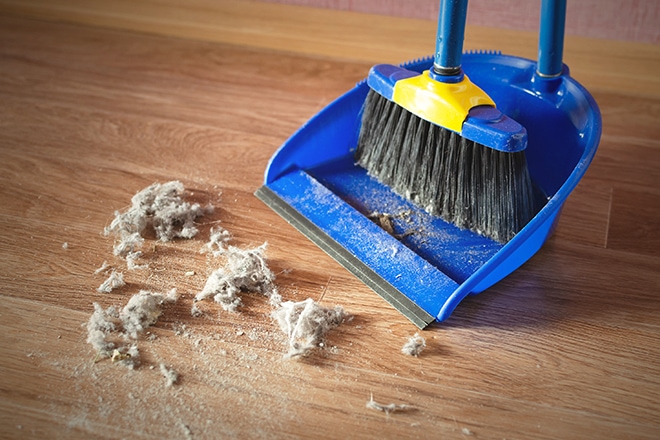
[(636, 20)]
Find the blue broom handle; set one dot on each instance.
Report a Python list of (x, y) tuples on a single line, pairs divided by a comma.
[(449, 42), (551, 37)]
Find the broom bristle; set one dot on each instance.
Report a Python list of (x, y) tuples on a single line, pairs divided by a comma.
[(468, 184)]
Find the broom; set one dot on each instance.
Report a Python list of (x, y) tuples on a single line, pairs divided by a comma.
[(438, 140)]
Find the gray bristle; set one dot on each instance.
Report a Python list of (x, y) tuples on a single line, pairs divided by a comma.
[(470, 185)]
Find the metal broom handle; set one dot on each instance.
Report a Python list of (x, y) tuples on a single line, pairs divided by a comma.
[(449, 41), (551, 38)]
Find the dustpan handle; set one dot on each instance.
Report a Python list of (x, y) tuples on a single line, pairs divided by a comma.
[(551, 37), (449, 40)]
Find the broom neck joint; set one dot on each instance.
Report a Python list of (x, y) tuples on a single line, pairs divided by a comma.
[(446, 74)]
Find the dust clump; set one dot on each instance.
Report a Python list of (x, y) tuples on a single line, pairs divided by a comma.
[(159, 207), (305, 323), (113, 334), (128, 244), (414, 345), (218, 239), (100, 325), (131, 261), (245, 271), (388, 408), (195, 311), (387, 223), (128, 355), (143, 310), (114, 281), (171, 376), (104, 267)]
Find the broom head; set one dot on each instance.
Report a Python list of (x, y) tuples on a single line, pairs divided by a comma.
[(446, 147)]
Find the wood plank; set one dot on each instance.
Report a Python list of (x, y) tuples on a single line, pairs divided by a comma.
[(634, 223), (77, 397), (344, 35), (585, 215)]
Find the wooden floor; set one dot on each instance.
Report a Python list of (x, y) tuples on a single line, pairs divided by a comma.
[(100, 99)]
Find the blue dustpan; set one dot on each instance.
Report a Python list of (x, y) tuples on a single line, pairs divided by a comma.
[(421, 264)]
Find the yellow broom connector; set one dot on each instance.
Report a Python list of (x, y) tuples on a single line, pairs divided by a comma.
[(458, 105), (441, 103)]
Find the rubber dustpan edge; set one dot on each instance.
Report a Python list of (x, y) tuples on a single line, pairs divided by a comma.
[(364, 273)]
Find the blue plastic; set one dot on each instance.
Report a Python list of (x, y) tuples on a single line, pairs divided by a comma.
[(489, 126), (383, 77), (438, 264)]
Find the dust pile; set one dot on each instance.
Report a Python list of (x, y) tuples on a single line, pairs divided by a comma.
[(114, 281), (246, 271), (414, 345), (387, 408), (160, 209), (305, 323), (114, 333)]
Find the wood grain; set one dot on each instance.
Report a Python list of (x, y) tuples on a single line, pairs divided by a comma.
[(97, 104), (344, 35)]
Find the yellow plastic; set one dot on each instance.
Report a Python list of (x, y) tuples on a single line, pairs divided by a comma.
[(444, 104)]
